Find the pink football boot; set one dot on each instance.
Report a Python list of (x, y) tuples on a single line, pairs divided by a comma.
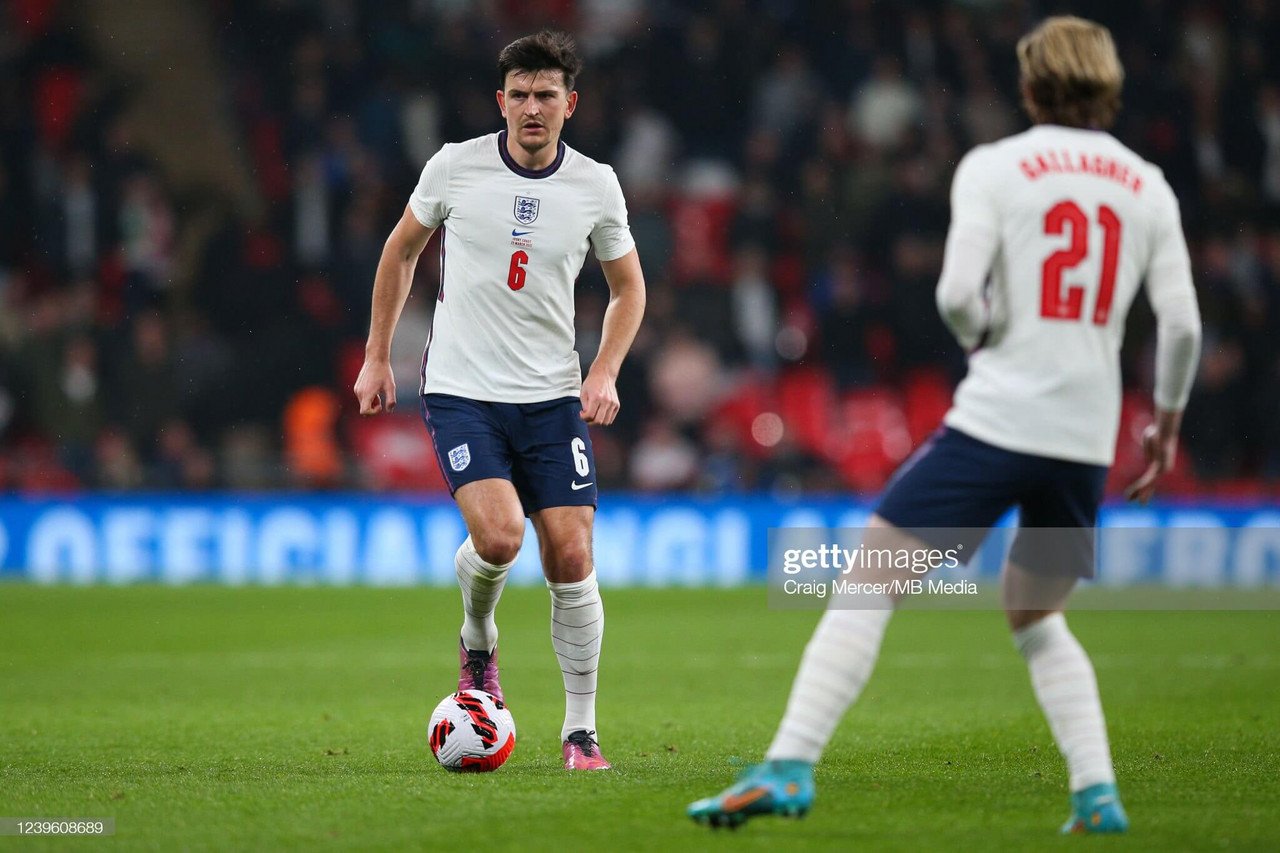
[(479, 671), (581, 752)]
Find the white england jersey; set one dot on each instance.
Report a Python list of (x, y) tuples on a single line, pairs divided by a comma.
[(1069, 222), (513, 244)]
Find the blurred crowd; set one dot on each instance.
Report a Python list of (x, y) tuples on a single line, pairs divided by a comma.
[(786, 166)]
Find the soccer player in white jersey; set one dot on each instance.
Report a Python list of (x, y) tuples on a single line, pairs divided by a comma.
[(502, 394), (1067, 223)]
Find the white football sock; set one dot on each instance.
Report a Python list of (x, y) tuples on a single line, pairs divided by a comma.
[(577, 625), (1068, 693), (481, 585), (835, 667)]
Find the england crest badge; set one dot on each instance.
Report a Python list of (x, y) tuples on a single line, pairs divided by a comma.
[(460, 457), (526, 209)]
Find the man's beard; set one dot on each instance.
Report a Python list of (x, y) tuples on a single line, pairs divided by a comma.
[(539, 144), (534, 148)]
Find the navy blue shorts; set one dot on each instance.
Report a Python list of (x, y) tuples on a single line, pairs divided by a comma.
[(957, 487), (544, 449)]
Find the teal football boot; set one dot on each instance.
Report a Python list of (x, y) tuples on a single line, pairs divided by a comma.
[(783, 788), (1096, 809)]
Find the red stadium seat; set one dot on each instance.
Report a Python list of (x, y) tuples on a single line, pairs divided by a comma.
[(807, 404), (739, 411), (33, 467), (59, 90), (1239, 489), (926, 398), (395, 453), (870, 439)]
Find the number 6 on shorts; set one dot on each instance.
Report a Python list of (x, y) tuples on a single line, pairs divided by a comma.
[(580, 462)]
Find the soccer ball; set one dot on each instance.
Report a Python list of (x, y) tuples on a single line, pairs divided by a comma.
[(472, 731)]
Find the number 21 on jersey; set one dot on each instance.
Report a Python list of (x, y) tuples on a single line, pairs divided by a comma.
[(1067, 303)]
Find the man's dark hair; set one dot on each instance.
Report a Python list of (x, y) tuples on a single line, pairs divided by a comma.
[(544, 51)]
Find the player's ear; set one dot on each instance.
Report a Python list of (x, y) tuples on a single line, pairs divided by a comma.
[(573, 103), (502, 103), (1028, 103)]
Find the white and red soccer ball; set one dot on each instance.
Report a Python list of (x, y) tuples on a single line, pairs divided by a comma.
[(471, 731)]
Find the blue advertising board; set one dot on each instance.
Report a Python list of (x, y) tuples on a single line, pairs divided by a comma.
[(648, 541)]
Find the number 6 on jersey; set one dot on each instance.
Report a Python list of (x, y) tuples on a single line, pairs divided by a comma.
[(515, 274)]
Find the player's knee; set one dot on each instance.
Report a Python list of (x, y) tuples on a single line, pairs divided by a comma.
[(500, 545), (571, 560), (1019, 619)]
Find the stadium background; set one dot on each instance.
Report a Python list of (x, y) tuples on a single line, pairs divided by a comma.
[(193, 197)]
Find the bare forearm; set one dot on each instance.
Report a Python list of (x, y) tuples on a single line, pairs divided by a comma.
[(392, 281), (621, 322), (391, 286), (622, 317)]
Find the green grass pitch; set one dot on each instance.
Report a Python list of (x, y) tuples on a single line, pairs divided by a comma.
[(215, 718)]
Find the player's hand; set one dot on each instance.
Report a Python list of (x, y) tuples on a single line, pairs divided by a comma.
[(1160, 446), (997, 317), (376, 388), (599, 398)]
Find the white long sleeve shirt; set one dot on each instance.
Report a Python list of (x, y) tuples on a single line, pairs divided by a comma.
[(1053, 231)]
